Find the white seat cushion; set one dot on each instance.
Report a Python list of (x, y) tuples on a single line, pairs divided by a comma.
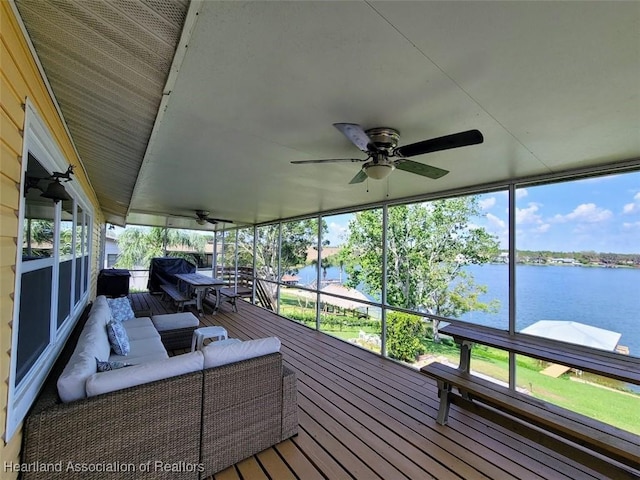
[(113, 380), (138, 322), (142, 350), (215, 355), (172, 321), (139, 328)]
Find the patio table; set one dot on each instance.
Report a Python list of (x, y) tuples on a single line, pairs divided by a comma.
[(199, 284)]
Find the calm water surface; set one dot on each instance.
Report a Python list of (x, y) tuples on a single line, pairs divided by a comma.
[(602, 297), (607, 298)]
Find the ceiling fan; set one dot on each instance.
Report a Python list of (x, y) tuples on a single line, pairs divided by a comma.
[(383, 154), (202, 218)]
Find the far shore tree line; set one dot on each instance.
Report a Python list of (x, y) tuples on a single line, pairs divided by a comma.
[(583, 258)]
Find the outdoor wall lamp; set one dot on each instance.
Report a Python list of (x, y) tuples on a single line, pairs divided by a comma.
[(55, 191)]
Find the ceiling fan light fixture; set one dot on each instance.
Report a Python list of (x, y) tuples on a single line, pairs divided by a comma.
[(378, 171), (201, 221)]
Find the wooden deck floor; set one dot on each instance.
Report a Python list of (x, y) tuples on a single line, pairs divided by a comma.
[(366, 417)]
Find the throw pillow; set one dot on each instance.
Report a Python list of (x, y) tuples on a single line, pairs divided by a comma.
[(118, 338), (121, 309), (106, 366)]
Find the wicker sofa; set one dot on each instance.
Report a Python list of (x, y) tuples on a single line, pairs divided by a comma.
[(188, 425)]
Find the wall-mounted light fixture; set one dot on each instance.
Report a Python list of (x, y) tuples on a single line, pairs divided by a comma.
[(54, 191)]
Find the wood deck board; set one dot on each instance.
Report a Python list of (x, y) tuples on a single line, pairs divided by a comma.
[(363, 416), (412, 422), (490, 458), (250, 468), (467, 461), (228, 474), (274, 465), (299, 464)]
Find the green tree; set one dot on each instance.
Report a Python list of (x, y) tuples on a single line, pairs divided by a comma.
[(428, 244), (297, 237), (38, 237), (404, 334), (138, 245)]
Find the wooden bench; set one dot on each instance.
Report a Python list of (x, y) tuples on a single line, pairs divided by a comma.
[(239, 284), (180, 298), (232, 294), (612, 442), (244, 278)]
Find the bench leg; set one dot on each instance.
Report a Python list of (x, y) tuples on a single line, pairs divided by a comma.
[(443, 393)]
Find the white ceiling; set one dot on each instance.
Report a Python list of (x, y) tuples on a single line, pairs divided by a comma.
[(551, 85)]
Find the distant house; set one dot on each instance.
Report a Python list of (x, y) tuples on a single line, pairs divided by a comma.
[(290, 279), (312, 253), (502, 258), (111, 250), (563, 261)]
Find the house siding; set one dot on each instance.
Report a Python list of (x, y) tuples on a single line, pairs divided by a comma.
[(20, 78)]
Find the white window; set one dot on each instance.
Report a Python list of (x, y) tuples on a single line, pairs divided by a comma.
[(51, 268)]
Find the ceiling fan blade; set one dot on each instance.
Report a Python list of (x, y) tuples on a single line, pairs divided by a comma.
[(420, 169), (213, 221), (360, 177), (455, 140), (329, 160), (356, 134)]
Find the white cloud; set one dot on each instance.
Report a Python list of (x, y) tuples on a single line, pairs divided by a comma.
[(631, 226), (528, 215), (487, 203), (495, 222), (633, 207), (585, 213), (336, 233)]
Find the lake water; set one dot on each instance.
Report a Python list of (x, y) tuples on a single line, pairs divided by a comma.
[(607, 298)]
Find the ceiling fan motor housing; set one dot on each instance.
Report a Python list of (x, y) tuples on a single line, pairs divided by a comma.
[(384, 138)]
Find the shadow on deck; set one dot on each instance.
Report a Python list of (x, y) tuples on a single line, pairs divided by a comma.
[(366, 417)]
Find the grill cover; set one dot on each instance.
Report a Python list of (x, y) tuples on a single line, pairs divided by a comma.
[(113, 282), (163, 269)]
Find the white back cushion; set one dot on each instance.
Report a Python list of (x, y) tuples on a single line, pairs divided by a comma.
[(93, 343), (215, 355), (113, 380), (100, 311)]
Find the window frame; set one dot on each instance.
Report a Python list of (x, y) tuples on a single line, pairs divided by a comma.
[(40, 143)]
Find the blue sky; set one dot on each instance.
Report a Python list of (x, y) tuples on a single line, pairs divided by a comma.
[(600, 214)]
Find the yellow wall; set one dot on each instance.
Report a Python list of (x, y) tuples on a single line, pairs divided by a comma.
[(20, 79)]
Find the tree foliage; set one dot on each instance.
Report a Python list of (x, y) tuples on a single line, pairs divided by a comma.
[(404, 334), (297, 237), (139, 245), (428, 245)]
